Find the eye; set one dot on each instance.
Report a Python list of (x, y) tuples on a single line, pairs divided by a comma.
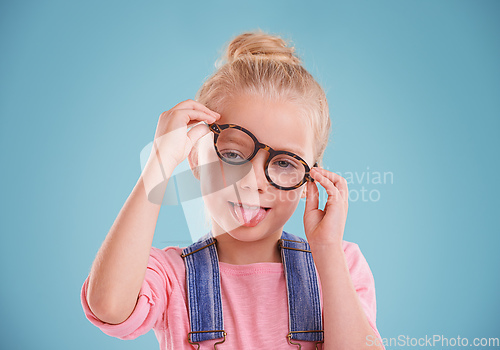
[(229, 154), (284, 164)]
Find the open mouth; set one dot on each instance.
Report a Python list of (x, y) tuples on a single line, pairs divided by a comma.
[(248, 215), (249, 207)]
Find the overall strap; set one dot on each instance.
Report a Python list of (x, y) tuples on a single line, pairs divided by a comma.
[(304, 308), (203, 290), (204, 293)]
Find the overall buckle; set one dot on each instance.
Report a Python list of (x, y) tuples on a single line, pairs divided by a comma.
[(198, 344), (289, 338)]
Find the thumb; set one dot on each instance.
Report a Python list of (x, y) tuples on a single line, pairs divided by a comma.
[(312, 199), (197, 132)]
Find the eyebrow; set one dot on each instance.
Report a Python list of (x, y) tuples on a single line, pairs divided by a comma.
[(289, 148), (237, 141)]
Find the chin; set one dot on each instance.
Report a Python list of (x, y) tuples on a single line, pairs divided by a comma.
[(243, 234)]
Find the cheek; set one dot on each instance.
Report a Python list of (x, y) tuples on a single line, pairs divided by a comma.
[(216, 175), (288, 201), (288, 197), (210, 179), (208, 167)]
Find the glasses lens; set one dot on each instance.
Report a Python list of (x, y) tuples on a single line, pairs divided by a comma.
[(286, 171), (235, 146)]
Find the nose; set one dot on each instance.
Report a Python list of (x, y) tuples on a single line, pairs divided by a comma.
[(256, 179)]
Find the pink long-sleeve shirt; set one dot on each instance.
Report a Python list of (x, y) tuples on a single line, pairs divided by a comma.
[(254, 303)]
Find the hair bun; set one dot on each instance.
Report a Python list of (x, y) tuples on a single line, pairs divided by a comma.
[(261, 45)]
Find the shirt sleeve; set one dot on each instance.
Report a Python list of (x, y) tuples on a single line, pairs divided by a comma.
[(151, 303), (364, 283)]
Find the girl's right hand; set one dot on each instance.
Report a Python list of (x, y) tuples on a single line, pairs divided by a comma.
[(172, 139)]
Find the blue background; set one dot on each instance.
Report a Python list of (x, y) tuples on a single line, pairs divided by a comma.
[(413, 88)]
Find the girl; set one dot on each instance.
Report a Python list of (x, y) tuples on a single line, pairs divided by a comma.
[(258, 131)]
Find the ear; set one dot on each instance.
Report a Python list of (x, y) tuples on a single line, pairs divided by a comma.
[(193, 161)]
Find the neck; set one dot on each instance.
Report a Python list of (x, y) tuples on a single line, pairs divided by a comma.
[(233, 251)]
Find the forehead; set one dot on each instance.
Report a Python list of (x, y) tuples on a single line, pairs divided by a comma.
[(281, 125)]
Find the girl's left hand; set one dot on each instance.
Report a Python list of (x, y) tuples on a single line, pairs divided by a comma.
[(326, 226)]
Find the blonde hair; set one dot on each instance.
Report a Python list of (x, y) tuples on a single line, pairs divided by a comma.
[(265, 65)]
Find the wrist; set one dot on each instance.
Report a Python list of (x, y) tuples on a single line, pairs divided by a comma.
[(326, 247), (326, 254), (155, 176)]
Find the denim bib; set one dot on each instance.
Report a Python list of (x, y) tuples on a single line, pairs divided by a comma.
[(204, 294)]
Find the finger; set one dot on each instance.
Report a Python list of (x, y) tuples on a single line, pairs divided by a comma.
[(191, 104), (195, 122), (330, 188), (195, 111), (339, 182), (189, 115), (197, 132), (312, 199), (180, 120)]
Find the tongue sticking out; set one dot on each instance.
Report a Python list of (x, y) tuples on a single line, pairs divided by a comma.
[(249, 217)]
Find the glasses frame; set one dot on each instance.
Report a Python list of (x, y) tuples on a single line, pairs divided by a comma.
[(217, 130)]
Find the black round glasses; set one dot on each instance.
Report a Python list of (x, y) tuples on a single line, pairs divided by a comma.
[(236, 145)]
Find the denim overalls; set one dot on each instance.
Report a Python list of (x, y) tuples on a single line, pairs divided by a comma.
[(204, 293)]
